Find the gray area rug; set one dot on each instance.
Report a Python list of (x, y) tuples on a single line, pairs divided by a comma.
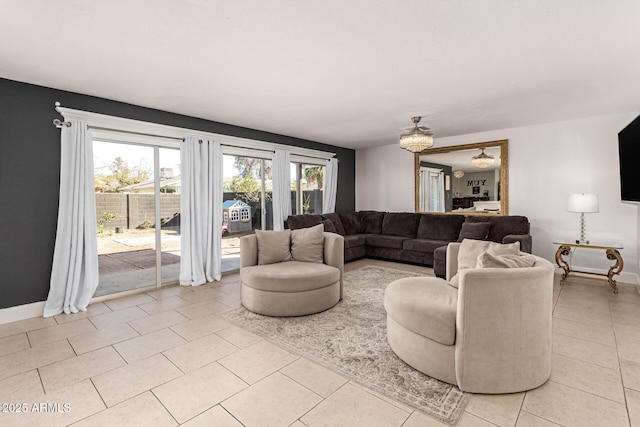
[(351, 339)]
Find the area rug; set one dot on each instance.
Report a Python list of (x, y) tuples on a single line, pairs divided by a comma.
[(351, 339)]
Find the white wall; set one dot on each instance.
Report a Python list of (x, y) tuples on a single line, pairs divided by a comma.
[(546, 163), (385, 179)]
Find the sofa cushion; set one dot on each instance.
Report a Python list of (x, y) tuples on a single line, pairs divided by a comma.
[(503, 225), (328, 226), (424, 305), (423, 245), (351, 222), (295, 222), (440, 227), (382, 241), (337, 223), (371, 222), (486, 260), (273, 246), (471, 249), (401, 224), (289, 276), (354, 241), (474, 230), (307, 244)]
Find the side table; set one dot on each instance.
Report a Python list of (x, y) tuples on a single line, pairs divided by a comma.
[(611, 252)]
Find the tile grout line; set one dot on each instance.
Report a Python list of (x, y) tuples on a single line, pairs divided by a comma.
[(321, 401), (589, 393), (522, 406), (167, 409), (538, 416), (622, 382)]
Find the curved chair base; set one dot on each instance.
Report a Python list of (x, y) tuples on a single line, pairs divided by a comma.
[(283, 304), (425, 355)]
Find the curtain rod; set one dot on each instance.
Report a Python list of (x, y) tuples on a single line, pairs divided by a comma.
[(60, 124)]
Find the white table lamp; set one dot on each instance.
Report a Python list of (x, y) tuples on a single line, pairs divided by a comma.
[(583, 203)]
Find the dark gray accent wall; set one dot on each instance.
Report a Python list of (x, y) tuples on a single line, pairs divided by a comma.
[(30, 175)]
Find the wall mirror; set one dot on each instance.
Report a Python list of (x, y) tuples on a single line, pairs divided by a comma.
[(470, 179)]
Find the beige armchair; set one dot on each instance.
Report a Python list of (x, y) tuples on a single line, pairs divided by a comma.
[(491, 335), (291, 288)]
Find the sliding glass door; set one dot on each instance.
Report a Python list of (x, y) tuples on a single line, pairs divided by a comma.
[(138, 215), (247, 203), (169, 207)]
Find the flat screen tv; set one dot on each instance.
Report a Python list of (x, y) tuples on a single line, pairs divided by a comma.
[(629, 152)]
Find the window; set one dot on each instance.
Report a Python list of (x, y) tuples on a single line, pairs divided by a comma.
[(248, 180), (432, 190), (307, 186), (234, 215)]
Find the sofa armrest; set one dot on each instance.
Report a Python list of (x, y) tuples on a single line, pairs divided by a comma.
[(334, 254), (503, 328), (248, 250), (524, 239), (452, 260)]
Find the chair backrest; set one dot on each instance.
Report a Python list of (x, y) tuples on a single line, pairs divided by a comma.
[(503, 328)]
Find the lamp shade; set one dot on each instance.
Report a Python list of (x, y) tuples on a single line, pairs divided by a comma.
[(583, 203)]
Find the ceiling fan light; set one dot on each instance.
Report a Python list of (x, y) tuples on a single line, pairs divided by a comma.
[(416, 139), (482, 160)]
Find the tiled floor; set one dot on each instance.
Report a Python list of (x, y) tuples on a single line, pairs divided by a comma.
[(167, 358)]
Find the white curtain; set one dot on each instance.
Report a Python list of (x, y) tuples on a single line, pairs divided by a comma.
[(74, 274), (281, 173), (441, 193), (425, 191), (330, 186), (200, 211)]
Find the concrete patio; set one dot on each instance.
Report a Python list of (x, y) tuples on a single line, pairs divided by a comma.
[(128, 261)]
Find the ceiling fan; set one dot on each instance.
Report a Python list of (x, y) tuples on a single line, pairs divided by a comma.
[(417, 138)]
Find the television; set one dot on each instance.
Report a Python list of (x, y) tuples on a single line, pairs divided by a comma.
[(629, 154)]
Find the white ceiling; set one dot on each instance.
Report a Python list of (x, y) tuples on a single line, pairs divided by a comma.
[(348, 73)]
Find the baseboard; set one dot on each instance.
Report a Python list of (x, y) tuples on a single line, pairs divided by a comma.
[(21, 312)]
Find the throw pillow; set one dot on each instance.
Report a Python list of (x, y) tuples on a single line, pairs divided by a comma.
[(273, 246), (470, 249), (307, 244), (486, 260), (474, 230)]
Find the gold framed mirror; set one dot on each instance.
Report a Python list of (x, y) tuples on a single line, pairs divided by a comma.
[(470, 179)]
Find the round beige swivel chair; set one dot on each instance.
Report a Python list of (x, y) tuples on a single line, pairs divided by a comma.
[(291, 288), (491, 335)]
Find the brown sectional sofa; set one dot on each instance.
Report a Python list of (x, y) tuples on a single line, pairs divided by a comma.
[(411, 237)]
